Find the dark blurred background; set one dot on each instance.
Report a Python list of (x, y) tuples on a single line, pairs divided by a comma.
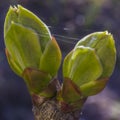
[(68, 20)]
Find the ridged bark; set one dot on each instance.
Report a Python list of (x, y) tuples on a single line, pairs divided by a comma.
[(50, 110)]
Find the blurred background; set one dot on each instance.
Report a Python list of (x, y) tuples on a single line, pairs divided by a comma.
[(68, 21)]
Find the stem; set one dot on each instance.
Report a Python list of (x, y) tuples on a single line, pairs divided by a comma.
[(50, 110)]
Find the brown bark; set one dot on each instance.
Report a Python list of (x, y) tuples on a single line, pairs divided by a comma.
[(50, 110)]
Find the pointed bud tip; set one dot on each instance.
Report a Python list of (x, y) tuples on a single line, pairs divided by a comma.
[(108, 34), (15, 8)]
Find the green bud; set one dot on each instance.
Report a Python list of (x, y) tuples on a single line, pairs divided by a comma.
[(87, 68), (30, 47)]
